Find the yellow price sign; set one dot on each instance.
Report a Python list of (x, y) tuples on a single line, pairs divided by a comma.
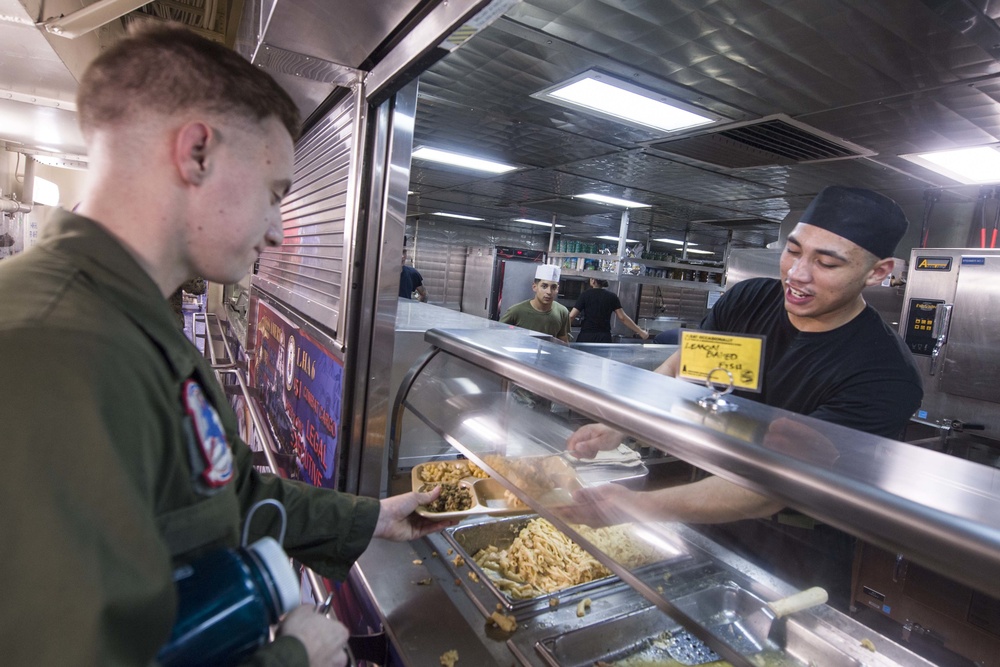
[(704, 351)]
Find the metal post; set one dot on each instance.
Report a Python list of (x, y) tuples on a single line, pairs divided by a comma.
[(622, 239), (552, 232)]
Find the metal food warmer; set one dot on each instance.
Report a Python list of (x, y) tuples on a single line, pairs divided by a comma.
[(503, 404)]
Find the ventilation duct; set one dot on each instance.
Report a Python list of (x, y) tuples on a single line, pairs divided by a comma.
[(774, 140)]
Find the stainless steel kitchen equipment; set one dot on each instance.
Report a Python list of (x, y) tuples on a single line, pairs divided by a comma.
[(496, 278), (470, 390), (951, 293)]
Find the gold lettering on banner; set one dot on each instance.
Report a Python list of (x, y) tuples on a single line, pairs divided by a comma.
[(306, 364)]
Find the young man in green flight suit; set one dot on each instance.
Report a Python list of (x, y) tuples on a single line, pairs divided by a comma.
[(111, 479)]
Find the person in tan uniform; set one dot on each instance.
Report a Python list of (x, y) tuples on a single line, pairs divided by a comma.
[(122, 460)]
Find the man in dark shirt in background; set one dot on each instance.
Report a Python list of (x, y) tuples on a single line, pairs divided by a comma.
[(411, 281), (598, 305)]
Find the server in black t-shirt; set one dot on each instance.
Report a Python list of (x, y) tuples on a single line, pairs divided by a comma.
[(828, 355), (411, 281), (598, 305)]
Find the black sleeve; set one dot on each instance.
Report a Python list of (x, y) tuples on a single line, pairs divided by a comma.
[(720, 316)]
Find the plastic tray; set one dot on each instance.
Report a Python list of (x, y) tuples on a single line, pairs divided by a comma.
[(487, 496)]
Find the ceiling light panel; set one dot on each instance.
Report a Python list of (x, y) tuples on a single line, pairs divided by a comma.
[(980, 164), (458, 216), (536, 222), (673, 242), (603, 95), (612, 201), (461, 160)]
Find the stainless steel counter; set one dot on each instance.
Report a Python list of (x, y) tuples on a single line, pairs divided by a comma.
[(507, 401), (937, 509), (429, 606)]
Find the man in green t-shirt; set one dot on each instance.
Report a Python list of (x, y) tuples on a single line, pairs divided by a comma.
[(542, 312)]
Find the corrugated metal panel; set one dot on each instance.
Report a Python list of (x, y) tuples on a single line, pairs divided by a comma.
[(438, 252), (690, 305), (442, 266), (307, 270)]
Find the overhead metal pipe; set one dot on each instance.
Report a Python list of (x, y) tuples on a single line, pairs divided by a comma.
[(930, 198), (13, 206), (91, 17)]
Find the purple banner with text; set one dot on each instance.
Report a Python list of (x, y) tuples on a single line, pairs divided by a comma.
[(299, 385)]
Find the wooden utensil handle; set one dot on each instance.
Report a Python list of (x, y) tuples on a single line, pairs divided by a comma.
[(799, 601)]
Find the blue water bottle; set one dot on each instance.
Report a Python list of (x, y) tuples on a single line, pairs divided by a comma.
[(227, 602)]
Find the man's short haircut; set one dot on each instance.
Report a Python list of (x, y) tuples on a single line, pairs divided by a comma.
[(168, 69), (601, 282)]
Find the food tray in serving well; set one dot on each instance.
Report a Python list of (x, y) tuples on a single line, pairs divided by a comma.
[(470, 539), (500, 533), (650, 637), (487, 494)]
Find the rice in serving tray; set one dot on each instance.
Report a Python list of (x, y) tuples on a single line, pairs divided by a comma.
[(543, 560)]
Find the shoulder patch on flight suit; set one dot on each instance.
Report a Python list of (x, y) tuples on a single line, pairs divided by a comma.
[(211, 457)]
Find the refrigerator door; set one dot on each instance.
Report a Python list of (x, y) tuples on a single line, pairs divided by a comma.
[(477, 286), (516, 278)]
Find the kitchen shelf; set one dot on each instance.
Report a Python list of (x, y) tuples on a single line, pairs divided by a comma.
[(645, 280), (655, 263)]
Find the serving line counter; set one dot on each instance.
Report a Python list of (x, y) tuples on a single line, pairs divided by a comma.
[(505, 402)]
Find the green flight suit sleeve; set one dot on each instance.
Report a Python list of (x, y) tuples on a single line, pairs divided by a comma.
[(327, 530)]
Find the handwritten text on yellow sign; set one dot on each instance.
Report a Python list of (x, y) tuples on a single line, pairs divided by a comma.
[(704, 351)]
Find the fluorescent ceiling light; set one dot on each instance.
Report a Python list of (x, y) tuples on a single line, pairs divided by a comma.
[(456, 215), (980, 164), (604, 199), (700, 252), (459, 160), (535, 222), (674, 242), (621, 100), (615, 238)]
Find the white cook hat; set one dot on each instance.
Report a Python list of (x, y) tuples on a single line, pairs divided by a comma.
[(549, 272)]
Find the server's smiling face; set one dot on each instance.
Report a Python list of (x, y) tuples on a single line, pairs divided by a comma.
[(823, 275)]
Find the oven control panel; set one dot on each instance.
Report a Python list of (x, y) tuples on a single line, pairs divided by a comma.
[(920, 319)]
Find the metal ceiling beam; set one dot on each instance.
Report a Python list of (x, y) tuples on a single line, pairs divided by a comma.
[(91, 17)]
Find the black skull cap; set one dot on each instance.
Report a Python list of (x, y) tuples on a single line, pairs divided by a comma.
[(872, 221)]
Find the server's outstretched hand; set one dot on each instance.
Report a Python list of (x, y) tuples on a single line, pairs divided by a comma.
[(587, 440)]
